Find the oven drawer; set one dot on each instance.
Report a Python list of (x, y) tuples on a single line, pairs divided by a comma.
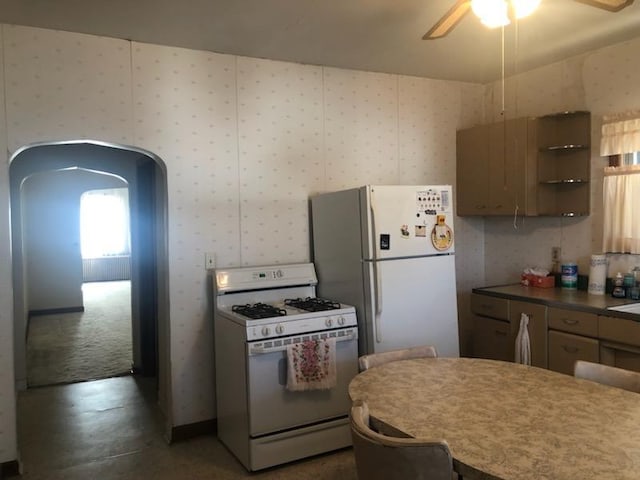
[(273, 408)]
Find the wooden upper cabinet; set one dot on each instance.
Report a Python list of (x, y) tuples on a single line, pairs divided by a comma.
[(472, 172), (494, 174)]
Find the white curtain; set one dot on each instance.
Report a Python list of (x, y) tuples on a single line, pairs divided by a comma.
[(104, 223), (621, 191), (620, 136)]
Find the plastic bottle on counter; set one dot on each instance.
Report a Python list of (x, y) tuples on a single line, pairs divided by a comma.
[(618, 287)]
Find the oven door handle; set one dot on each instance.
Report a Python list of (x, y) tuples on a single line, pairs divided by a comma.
[(258, 348)]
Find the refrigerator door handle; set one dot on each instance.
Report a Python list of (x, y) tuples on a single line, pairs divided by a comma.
[(374, 235), (378, 303), (376, 274)]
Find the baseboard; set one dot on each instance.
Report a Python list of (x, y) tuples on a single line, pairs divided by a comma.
[(54, 311), (9, 469), (191, 430)]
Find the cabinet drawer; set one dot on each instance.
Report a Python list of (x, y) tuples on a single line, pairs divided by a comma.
[(573, 321), (565, 349), (490, 306), (619, 330), (492, 339)]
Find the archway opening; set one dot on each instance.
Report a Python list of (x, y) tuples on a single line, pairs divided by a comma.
[(145, 175)]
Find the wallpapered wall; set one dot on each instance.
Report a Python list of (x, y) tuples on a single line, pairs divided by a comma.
[(603, 82), (245, 142)]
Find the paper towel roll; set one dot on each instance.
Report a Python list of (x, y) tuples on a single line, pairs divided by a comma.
[(597, 274)]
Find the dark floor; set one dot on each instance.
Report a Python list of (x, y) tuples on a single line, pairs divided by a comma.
[(112, 429)]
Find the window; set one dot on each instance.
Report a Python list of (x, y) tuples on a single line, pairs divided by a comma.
[(631, 158), (104, 223), (621, 187)]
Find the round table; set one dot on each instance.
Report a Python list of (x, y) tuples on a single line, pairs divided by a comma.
[(508, 421)]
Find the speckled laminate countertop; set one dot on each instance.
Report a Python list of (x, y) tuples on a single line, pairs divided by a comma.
[(508, 421), (561, 298)]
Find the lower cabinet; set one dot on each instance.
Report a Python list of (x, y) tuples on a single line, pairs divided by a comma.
[(492, 339), (619, 342), (566, 348), (496, 325), (558, 336)]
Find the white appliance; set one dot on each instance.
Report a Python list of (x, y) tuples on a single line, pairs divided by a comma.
[(389, 251), (259, 312)]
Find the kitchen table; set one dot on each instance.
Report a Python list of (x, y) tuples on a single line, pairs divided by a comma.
[(508, 421)]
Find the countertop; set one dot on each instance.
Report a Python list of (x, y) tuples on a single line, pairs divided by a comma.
[(561, 298)]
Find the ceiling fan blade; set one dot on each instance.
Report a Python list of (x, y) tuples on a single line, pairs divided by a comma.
[(449, 20), (610, 5)]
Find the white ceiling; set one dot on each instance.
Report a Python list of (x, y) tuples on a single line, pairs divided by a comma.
[(373, 35)]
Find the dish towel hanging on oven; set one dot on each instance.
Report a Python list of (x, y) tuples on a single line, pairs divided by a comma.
[(523, 345), (311, 365)]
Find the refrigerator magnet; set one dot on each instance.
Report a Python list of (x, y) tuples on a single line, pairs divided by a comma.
[(441, 235), (404, 231), (421, 231)]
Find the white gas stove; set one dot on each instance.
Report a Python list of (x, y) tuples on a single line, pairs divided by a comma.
[(261, 314)]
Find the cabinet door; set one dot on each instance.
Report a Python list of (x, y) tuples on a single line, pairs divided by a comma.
[(565, 349), (507, 166), (472, 173), (492, 339), (537, 329)]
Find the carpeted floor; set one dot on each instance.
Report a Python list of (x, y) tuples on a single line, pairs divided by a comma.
[(89, 345)]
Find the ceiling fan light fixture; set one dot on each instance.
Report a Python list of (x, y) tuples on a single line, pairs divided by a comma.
[(524, 8), (492, 13)]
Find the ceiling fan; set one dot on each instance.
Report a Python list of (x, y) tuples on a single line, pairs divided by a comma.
[(495, 13)]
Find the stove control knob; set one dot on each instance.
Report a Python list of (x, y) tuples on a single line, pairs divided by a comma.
[(341, 320), (280, 329), (266, 331), (328, 322)]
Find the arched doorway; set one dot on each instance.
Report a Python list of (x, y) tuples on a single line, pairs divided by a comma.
[(145, 175)]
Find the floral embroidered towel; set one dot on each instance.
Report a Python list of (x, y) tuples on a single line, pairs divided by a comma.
[(311, 365)]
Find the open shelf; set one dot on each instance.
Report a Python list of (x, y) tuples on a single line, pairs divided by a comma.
[(564, 164)]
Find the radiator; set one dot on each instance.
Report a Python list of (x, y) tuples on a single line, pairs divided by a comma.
[(105, 269)]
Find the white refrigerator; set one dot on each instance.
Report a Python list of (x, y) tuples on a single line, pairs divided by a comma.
[(389, 251)]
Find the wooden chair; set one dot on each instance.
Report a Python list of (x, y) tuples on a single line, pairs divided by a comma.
[(381, 457), (613, 376), (374, 359)]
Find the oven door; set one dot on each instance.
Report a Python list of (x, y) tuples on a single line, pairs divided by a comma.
[(273, 408)]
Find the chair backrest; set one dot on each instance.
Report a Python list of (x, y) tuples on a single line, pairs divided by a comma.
[(374, 359), (380, 457), (613, 376)]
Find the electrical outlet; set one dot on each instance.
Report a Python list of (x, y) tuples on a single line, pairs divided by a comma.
[(555, 254), (209, 260)]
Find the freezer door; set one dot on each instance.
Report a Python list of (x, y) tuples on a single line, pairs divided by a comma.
[(413, 303), (408, 220)]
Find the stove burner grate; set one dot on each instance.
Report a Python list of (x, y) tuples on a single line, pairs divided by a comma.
[(312, 304), (258, 310)]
